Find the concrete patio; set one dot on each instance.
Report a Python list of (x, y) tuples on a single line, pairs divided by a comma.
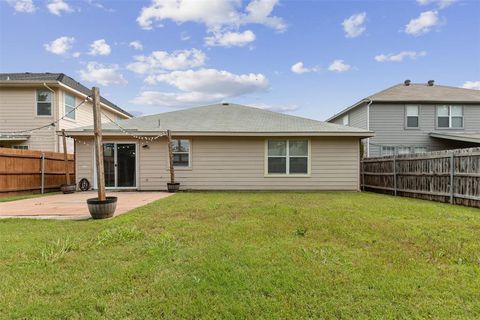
[(73, 206)]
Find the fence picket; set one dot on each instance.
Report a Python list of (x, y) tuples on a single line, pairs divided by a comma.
[(447, 176)]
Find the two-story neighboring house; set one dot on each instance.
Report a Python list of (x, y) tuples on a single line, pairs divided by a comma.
[(414, 118), (31, 100)]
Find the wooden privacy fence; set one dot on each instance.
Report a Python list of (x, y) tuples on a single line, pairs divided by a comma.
[(29, 171), (447, 176)]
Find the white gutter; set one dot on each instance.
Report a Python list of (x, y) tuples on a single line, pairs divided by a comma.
[(237, 134)]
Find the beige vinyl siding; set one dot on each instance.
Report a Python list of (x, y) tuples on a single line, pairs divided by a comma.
[(237, 163), (83, 117), (18, 111), (84, 160)]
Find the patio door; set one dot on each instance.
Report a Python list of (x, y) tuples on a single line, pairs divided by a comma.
[(120, 162)]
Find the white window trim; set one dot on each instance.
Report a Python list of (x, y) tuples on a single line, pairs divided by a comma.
[(51, 104), (449, 117), (287, 175), (74, 119), (346, 117), (406, 117), (189, 155)]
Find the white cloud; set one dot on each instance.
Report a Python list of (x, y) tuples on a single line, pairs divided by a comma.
[(60, 45), (440, 3), (99, 47), (339, 66), (230, 39), (472, 85), (354, 25), (25, 6), (202, 86), (277, 108), (137, 45), (104, 75), (299, 68), (423, 24), (57, 6), (76, 54), (215, 14), (399, 57), (159, 61)]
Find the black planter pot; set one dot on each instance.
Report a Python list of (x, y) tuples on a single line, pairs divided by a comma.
[(173, 187), (68, 188), (102, 209)]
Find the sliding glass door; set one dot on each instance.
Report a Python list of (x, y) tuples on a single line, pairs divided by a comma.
[(120, 161)]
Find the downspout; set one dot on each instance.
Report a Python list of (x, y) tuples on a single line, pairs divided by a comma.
[(55, 116), (368, 125)]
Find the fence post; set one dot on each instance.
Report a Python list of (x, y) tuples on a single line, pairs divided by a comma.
[(363, 174), (43, 173), (452, 175), (394, 175)]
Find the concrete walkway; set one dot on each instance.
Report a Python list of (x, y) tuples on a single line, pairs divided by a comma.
[(73, 206)]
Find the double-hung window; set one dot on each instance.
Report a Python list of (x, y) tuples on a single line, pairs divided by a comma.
[(288, 157), (346, 120), (44, 103), (411, 113), (450, 117), (181, 152), (69, 106)]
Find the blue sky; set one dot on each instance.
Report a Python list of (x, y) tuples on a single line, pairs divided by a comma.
[(309, 58)]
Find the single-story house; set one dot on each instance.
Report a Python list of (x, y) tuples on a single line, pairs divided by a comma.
[(224, 147)]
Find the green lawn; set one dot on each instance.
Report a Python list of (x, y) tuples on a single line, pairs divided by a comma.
[(248, 255)]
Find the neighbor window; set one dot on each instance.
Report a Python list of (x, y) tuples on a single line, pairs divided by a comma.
[(388, 150), (412, 116), (181, 152), (287, 157), (44, 103), (450, 117), (69, 106), (399, 150), (21, 147), (345, 120)]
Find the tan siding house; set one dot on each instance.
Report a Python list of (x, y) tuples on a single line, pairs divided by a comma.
[(18, 110), (227, 147)]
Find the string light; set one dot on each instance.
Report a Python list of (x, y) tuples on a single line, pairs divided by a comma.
[(48, 126)]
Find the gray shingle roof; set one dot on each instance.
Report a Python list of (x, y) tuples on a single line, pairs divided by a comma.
[(231, 118), (61, 77), (423, 93), (419, 93)]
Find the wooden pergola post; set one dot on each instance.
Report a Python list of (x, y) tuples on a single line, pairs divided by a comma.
[(97, 125), (65, 156), (170, 157)]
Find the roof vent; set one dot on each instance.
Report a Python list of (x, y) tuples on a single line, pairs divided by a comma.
[(407, 82), (430, 83), (225, 103)]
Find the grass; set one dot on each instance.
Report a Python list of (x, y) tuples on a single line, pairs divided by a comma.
[(248, 255), (26, 196)]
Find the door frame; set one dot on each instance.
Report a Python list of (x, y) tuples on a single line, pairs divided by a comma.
[(137, 166)]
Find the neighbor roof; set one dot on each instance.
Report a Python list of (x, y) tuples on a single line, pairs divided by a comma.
[(60, 77), (419, 93), (226, 119), (457, 136)]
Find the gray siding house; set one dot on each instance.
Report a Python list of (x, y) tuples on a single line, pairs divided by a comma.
[(415, 118)]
